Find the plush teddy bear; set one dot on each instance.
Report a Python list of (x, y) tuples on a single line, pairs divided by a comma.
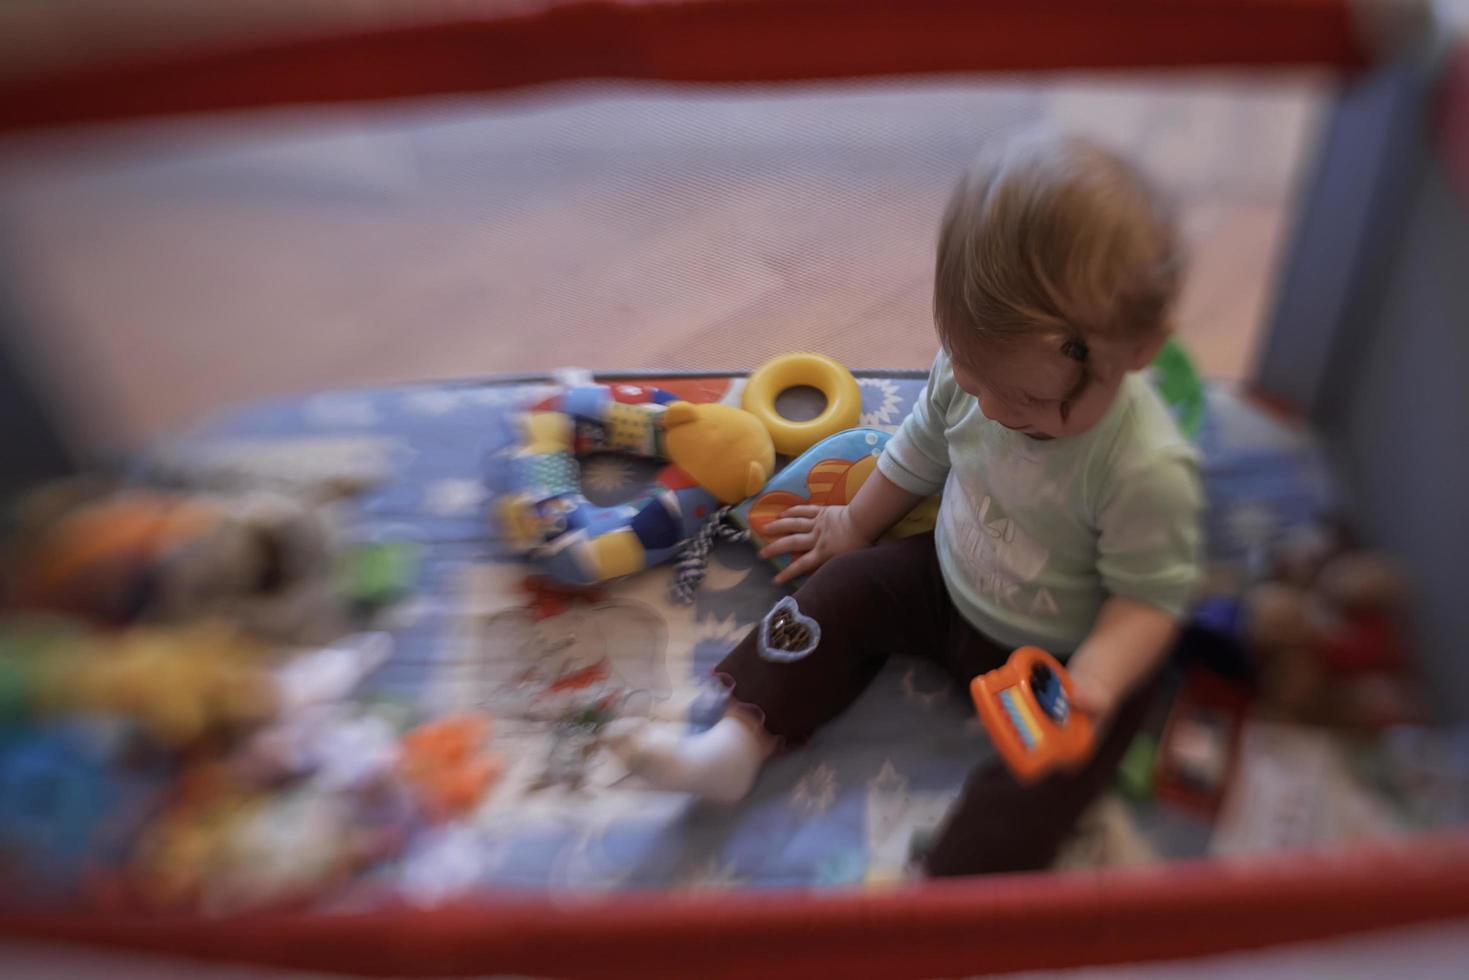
[(265, 561), (180, 684), (1328, 630), (724, 449)]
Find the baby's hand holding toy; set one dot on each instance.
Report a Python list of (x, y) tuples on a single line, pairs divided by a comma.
[(816, 534), (1093, 696)]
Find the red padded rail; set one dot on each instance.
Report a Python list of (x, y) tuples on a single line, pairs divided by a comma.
[(947, 928), (709, 41)]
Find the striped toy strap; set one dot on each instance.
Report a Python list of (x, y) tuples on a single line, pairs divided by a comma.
[(693, 554)]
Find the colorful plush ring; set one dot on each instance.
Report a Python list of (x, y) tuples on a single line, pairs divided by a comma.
[(843, 399), (543, 513)]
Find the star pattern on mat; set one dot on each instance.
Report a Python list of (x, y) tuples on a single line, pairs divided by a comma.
[(888, 780), (432, 402), (335, 409), (924, 699), (815, 791), (715, 875), (885, 411), (446, 863), (606, 474), (437, 402), (454, 497)]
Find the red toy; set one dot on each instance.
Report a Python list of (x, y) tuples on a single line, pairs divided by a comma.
[(1200, 748), (447, 763)]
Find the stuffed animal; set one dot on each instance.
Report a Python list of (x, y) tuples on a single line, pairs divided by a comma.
[(1328, 631), (265, 561), (179, 685), (723, 449), (713, 454)]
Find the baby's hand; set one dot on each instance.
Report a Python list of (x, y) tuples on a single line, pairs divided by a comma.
[(814, 534), (1093, 696), (1127, 644)]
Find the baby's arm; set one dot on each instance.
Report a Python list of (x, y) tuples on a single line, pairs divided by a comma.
[(880, 503), (1148, 557), (1128, 642)]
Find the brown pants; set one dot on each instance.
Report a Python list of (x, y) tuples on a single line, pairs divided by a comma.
[(892, 599)]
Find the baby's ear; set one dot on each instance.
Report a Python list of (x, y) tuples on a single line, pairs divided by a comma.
[(678, 413), (754, 479)]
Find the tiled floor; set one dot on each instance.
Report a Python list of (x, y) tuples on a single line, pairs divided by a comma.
[(172, 269)]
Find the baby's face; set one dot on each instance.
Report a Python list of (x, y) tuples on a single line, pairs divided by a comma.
[(1024, 388)]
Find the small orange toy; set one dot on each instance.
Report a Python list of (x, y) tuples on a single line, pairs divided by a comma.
[(446, 762), (1026, 707)]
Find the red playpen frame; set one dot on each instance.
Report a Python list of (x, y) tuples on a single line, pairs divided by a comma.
[(1003, 923)]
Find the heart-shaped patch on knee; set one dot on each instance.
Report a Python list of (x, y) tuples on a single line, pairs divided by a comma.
[(786, 635)]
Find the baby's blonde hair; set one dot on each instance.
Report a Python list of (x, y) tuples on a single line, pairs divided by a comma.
[(1054, 238)]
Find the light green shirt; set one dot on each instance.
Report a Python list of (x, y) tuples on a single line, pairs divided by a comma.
[(1033, 535)]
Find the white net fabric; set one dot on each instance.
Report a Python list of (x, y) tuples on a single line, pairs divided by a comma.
[(175, 267)]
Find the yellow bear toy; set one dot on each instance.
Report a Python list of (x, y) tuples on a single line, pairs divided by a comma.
[(724, 449)]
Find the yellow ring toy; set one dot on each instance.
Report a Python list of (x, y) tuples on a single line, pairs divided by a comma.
[(791, 438)]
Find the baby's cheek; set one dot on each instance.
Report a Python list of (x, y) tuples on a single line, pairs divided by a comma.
[(1088, 410)]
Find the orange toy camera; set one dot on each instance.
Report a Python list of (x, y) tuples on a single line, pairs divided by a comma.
[(1026, 707)]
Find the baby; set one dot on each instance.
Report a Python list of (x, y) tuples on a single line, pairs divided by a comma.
[(1070, 514)]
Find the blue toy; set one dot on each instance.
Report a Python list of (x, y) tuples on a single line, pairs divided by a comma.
[(830, 472), (66, 807)]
